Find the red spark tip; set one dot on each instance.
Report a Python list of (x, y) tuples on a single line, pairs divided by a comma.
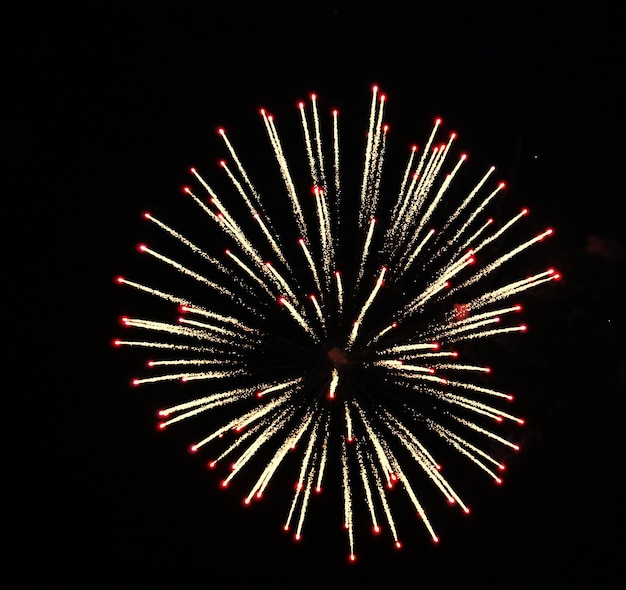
[(116, 342), (285, 527), (435, 345), (466, 510), (301, 241), (345, 525), (221, 131), (451, 500), (383, 97), (521, 421), (163, 413), (193, 449), (268, 263), (259, 495), (438, 467), (455, 354), (394, 325), (502, 467), (517, 307), (142, 247), (270, 117), (385, 127), (318, 490), (150, 363), (224, 483), (509, 397), (246, 501), (259, 394), (487, 369), (435, 539), (186, 189), (297, 538), (524, 211), (335, 112), (350, 439), (352, 557), (313, 96), (523, 327), (211, 464), (312, 297), (549, 231), (413, 148), (516, 447), (398, 545), (281, 300), (146, 215), (502, 185), (556, 276), (375, 88), (490, 220), (464, 157), (453, 135), (161, 426), (337, 273), (222, 163), (300, 104), (124, 321), (119, 280), (376, 529), (499, 419), (471, 260), (498, 480), (438, 121)]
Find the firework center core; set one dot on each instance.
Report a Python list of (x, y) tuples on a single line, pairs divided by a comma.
[(338, 356)]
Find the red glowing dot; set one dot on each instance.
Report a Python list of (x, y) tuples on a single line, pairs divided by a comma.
[(451, 500), (383, 97), (117, 342), (161, 425), (413, 148), (222, 163), (286, 527), (297, 537), (556, 276), (186, 189), (463, 156), (398, 545), (193, 448), (394, 325), (466, 510), (221, 131), (259, 394), (142, 247), (435, 345), (453, 135), (259, 495), (119, 280), (246, 501), (438, 467), (516, 447), (521, 421), (435, 539), (163, 413), (438, 121), (454, 354), (523, 327), (135, 382), (385, 128), (318, 490), (502, 185), (471, 260), (501, 467), (487, 369), (498, 480), (211, 464), (262, 111), (300, 241), (352, 557), (350, 439), (224, 483), (335, 112), (376, 529), (525, 211), (281, 300), (147, 215), (313, 96), (498, 418)]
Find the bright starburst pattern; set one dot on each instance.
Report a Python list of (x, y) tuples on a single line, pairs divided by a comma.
[(333, 336)]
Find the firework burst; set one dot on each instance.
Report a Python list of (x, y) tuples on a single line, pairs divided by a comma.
[(333, 330)]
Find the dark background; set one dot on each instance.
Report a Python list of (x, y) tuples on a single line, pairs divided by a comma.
[(119, 99)]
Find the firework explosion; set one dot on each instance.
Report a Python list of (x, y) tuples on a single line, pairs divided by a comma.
[(330, 336)]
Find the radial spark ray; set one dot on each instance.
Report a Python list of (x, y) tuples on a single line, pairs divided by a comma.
[(318, 322)]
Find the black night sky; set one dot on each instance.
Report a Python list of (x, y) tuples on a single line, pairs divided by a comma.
[(121, 99)]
